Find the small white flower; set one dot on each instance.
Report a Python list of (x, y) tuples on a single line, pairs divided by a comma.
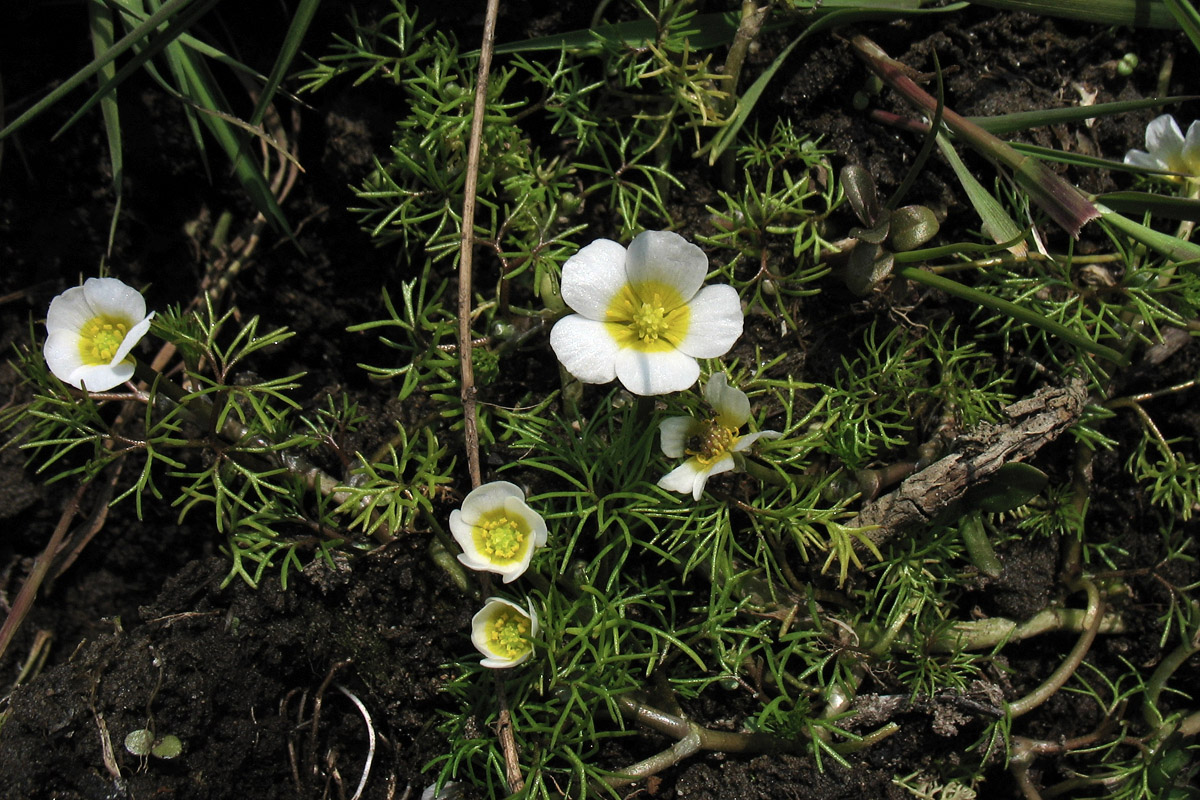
[(641, 314), (497, 531), (91, 329), (710, 445), (502, 632), (1168, 148)]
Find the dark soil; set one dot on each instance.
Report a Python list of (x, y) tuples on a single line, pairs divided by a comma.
[(258, 683)]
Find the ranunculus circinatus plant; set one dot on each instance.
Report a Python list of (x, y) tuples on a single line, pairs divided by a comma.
[(497, 531), (711, 446), (502, 631), (90, 331), (642, 315)]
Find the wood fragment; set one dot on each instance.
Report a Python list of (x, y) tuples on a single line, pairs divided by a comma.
[(1031, 423)]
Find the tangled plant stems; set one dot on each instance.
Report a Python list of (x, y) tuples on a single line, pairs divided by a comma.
[(1168, 149), (641, 314), (91, 330), (503, 632), (497, 531), (711, 446)]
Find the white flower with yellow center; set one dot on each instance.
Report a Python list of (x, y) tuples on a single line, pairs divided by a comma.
[(503, 631), (1169, 149), (497, 531), (641, 314), (90, 331), (709, 445)]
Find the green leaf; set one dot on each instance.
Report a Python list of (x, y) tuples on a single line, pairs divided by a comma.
[(1024, 120), (1010, 487), (996, 221)]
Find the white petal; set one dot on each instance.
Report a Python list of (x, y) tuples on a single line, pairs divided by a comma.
[(488, 497), (1140, 158), (585, 348), (674, 432), (731, 404), (102, 377), (1165, 140), (515, 508), (592, 278), (656, 373), (1191, 149), (743, 443), (133, 337), (715, 322), (668, 258), (688, 477), (62, 355), (111, 296), (69, 311)]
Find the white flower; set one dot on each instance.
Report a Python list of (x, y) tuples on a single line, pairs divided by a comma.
[(91, 329), (709, 444), (1168, 148), (502, 632), (642, 315), (497, 531)]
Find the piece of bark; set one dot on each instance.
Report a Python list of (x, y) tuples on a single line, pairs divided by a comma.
[(921, 498)]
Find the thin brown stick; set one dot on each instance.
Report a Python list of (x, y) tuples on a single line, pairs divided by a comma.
[(25, 597), (467, 246), (465, 345)]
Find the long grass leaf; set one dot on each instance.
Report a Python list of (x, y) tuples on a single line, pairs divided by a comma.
[(1159, 205), (101, 23), (136, 35), (1185, 14), (287, 53), (1019, 313), (1024, 120), (155, 44), (1165, 244)]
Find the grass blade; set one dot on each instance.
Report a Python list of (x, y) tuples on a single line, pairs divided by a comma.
[(996, 221), (287, 53), (1134, 13), (100, 20), (136, 35), (1024, 120)]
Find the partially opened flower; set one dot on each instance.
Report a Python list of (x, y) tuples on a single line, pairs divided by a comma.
[(1168, 147), (91, 329), (710, 445), (497, 531), (641, 314), (502, 631)]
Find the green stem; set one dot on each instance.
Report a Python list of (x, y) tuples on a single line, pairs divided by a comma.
[(1091, 626), (1013, 310)]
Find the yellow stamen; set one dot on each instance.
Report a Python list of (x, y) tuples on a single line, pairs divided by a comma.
[(651, 317), (713, 443), (508, 634), (100, 338), (501, 539)]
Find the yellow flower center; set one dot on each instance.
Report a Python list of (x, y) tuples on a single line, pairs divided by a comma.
[(508, 634), (501, 539), (713, 443), (100, 338), (650, 316)]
